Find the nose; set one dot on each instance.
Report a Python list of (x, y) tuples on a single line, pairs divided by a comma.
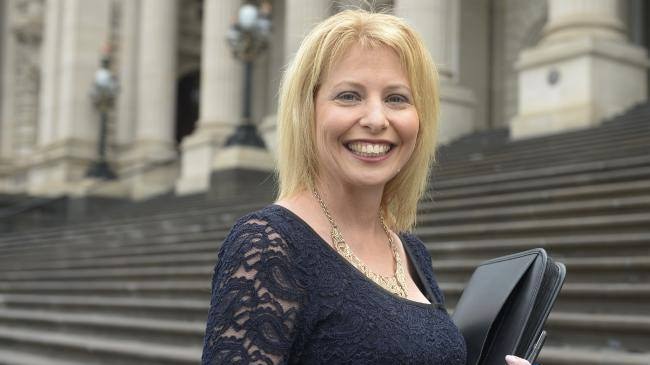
[(375, 118)]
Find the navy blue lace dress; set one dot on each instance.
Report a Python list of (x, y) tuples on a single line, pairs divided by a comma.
[(282, 295)]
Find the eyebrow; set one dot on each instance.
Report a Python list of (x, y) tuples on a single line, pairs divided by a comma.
[(360, 86)]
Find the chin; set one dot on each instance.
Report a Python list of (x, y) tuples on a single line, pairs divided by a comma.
[(370, 181)]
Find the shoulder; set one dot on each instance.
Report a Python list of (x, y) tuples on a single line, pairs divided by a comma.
[(271, 232), (259, 233), (265, 226)]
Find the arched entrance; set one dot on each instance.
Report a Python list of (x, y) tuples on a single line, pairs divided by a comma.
[(187, 104)]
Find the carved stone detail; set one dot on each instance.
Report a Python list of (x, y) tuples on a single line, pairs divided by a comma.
[(27, 27)]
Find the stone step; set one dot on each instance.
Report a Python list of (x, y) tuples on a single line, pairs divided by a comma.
[(527, 228), (86, 246), (634, 269), (618, 141), (488, 187), (618, 332), (82, 251), (121, 218), (575, 149), (160, 331), (480, 164), (627, 223), (10, 357), (171, 221), (634, 204), (628, 298), (89, 349), (577, 193), (175, 308), (614, 332), (569, 355), (135, 289), (137, 232), (132, 232), (153, 273), (634, 125), (130, 225), (116, 262), (585, 170), (592, 245)]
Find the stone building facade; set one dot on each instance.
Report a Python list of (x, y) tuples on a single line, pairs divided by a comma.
[(534, 66)]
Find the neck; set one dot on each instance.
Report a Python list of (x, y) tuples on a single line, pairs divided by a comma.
[(352, 208)]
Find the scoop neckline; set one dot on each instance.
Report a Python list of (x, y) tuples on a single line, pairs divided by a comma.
[(428, 293)]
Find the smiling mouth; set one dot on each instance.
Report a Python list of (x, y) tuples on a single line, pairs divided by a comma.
[(366, 149)]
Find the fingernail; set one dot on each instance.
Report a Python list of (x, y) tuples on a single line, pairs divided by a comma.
[(510, 358)]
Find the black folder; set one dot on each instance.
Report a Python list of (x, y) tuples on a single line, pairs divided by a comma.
[(503, 308)]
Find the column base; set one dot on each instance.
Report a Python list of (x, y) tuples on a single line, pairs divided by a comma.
[(255, 185), (242, 171), (243, 157), (577, 84), (269, 131), (198, 152), (457, 109), (58, 168), (150, 169)]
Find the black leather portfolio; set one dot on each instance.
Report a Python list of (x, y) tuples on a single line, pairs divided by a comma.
[(503, 308)]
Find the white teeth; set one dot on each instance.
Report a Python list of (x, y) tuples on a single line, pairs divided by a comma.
[(369, 149)]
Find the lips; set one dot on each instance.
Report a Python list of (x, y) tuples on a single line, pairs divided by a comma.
[(369, 149)]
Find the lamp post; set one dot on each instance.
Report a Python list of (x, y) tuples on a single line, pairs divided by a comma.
[(248, 38), (103, 94)]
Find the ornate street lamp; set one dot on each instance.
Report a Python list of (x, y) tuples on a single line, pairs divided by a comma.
[(103, 94), (248, 37)]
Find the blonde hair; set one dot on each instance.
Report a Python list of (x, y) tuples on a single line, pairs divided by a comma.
[(320, 50)]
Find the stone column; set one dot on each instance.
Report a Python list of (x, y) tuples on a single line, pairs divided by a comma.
[(156, 94), (7, 42), (48, 120), (296, 21), (572, 19), (221, 98), (7, 46), (299, 20), (583, 71), (127, 101), (438, 22), (75, 32)]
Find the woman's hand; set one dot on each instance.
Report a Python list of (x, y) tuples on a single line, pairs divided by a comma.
[(514, 360)]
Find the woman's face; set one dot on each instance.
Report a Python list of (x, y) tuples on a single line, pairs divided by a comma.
[(366, 123)]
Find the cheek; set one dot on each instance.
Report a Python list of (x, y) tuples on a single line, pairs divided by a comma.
[(410, 129), (331, 124)]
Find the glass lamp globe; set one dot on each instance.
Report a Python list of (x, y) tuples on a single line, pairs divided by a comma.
[(247, 16), (104, 79)]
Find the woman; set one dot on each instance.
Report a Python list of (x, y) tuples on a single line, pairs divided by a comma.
[(321, 276)]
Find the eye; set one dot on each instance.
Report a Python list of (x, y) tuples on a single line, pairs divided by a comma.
[(348, 96), (397, 99)]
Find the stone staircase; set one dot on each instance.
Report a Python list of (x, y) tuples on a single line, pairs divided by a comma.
[(583, 196), (132, 286)]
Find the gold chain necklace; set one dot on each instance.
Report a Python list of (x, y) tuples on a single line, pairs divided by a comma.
[(394, 284)]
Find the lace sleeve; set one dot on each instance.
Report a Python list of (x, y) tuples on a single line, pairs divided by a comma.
[(256, 299)]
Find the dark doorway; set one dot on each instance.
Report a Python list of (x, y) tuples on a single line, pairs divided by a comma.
[(187, 104)]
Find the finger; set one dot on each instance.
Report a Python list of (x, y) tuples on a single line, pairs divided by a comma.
[(514, 360)]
